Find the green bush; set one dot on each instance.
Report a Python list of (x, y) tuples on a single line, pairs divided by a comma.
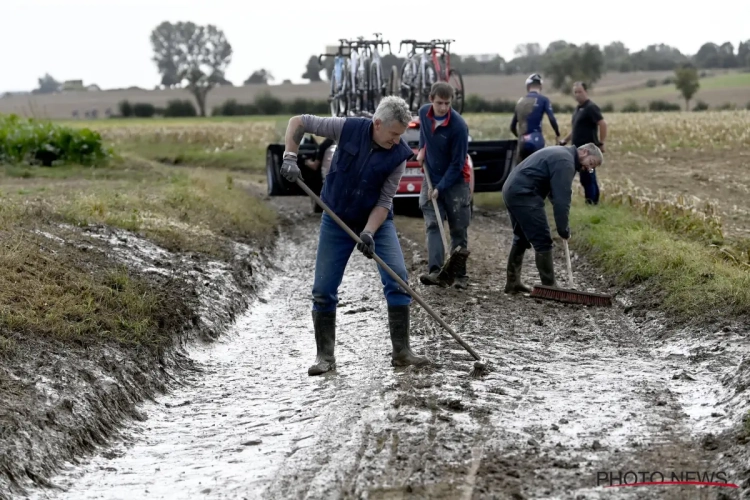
[(126, 109), (268, 104), (631, 107), (652, 83), (747, 106), (661, 105), (42, 142), (608, 108), (144, 110), (700, 106), (179, 108)]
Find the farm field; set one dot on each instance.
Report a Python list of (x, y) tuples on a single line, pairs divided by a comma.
[(720, 88), (176, 234)]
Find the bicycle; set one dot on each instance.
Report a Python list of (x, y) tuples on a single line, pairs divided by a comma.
[(445, 72), (414, 71), (419, 72), (342, 82), (376, 85)]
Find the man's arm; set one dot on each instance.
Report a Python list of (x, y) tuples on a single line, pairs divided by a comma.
[(459, 150), (596, 117), (551, 116), (561, 182), (514, 124), (385, 202), (329, 127)]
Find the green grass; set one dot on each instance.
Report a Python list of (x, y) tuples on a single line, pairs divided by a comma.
[(727, 81), (58, 290), (691, 279)]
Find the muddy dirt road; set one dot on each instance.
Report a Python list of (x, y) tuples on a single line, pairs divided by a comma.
[(574, 393)]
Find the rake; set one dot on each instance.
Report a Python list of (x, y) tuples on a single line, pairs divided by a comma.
[(570, 295)]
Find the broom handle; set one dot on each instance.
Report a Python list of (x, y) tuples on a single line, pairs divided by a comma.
[(437, 209), (388, 270), (567, 259)]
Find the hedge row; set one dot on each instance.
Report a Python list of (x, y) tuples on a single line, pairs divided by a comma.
[(44, 143), (267, 104)]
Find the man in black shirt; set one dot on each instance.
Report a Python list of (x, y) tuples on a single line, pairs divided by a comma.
[(587, 120)]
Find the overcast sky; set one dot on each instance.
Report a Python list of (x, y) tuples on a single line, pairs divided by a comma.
[(107, 41)]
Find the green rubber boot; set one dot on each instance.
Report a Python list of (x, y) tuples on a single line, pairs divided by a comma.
[(515, 263), (399, 322), (325, 340)]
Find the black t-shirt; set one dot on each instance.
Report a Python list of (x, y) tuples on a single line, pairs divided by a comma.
[(585, 128)]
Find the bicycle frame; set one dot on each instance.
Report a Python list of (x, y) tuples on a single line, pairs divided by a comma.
[(442, 71)]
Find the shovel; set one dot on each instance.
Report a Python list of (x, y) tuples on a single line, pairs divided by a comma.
[(454, 259)]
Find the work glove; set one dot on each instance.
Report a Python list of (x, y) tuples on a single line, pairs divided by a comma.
[(564, 234), (367, 247), (289, 169)]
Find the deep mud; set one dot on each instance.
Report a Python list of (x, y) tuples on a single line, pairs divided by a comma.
[(573, 393)]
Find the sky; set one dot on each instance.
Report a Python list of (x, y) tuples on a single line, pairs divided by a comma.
[(106, 42)]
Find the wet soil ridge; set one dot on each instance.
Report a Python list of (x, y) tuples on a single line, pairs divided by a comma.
[(60, 402)]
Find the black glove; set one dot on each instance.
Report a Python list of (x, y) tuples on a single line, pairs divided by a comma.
[(289, 169), (367, 247), (564, 234)]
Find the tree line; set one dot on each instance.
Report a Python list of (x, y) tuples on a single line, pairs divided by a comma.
[(195, 57)]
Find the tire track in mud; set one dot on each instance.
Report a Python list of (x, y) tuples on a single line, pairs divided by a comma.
[(573, 391)]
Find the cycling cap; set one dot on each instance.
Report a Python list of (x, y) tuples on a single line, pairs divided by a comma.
[(535, 78)]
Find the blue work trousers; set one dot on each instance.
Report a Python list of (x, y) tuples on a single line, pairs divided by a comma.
[(455, 205), (529, 221), (335, 247), (590, 186)]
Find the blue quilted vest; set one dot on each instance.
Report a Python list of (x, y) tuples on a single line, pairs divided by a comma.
[(358, 170)]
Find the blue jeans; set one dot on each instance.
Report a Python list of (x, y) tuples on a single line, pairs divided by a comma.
[(590, 187), (455, 205), (334, 249)]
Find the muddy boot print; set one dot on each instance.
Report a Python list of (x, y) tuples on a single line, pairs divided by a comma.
[(325, 340), (515, 263), (399, 322)]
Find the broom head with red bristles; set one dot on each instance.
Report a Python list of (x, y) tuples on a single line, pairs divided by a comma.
[(570, 296)]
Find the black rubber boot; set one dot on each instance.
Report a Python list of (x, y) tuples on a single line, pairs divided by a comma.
[(546, 268), (325, 340), (515, 263), (399, 322)]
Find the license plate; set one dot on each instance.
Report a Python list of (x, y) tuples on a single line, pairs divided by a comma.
[(413, 172)]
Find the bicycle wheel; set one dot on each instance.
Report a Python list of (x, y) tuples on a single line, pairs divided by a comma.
[(425, 83), (375, 87), (457, 81), (406, 84), (393, 82)]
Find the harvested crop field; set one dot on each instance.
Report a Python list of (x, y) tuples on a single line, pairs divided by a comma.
[(618, 88), (202, 390)]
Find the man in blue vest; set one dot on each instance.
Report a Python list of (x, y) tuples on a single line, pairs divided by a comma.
[(443, 146), (365, 171), (528, 116)]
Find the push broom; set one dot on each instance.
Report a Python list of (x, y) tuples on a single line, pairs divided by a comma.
[(480, 366), (570, 295)]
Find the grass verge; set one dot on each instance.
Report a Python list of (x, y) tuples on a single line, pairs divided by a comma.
[(53, 287), (693, 279), (690, 277)]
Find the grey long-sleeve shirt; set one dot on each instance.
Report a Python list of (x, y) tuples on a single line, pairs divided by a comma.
[(331, 128)]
